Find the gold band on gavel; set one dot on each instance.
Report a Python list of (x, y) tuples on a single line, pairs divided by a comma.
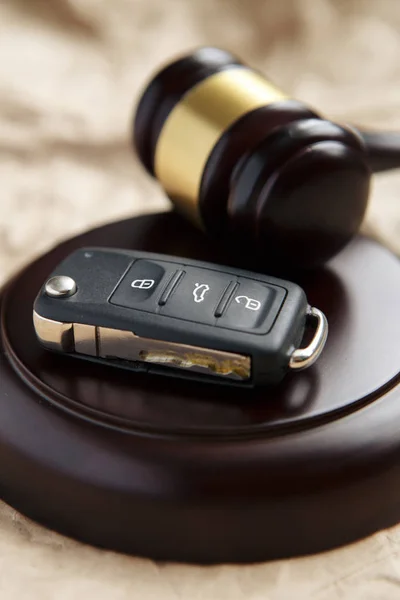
[(195, 125)]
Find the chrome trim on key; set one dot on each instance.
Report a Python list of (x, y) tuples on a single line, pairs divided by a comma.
[(302, 358), (111, 344)]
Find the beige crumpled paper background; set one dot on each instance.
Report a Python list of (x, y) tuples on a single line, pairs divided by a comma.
[(70, 71)]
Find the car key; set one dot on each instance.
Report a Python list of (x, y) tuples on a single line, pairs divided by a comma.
[(174, 316)]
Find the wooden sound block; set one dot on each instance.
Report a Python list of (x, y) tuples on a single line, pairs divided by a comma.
[(197, 472)]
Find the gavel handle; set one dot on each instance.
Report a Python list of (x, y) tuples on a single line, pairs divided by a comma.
[(383, 148)]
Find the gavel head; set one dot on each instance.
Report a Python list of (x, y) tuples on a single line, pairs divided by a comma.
[(249, 164)]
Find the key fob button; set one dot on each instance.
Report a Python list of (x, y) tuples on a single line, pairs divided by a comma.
[(252, 305), (141, 283), (197, 296)]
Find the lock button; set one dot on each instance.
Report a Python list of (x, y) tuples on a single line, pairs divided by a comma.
[(251, 305), (143, 284)]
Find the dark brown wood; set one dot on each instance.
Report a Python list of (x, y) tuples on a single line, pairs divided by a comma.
[(171, 470), (300, 196), (240, 138)]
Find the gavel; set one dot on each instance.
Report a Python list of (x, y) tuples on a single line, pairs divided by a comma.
[(252, 166)]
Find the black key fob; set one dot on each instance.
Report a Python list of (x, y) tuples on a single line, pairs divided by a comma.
[(175, 316)]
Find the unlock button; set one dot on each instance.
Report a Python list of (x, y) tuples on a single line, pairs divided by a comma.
[(249, 303), (252, 306)]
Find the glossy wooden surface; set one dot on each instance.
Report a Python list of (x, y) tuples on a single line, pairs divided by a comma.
[(207, 473)]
